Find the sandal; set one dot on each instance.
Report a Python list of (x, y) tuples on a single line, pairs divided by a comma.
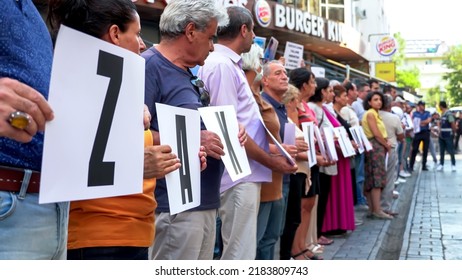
[(316, 248), (303, 254), (325, 241)]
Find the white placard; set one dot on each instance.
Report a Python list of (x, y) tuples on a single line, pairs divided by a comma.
[(318, 72), (94, 146), (320, 141), (277, 144), (330, 144), (223, 121), (366, 142), (416, 123), (180, 128), (293, 55), (289, 133), (357, 138), (308, 134), (345, 143)]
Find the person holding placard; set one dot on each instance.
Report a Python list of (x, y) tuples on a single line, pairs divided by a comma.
[(116, 227), (271, 192), (28, 230), (375, 169), (187, 29), (300, 228), (322, 92), (272, 213), (223, 76), (339, 216)]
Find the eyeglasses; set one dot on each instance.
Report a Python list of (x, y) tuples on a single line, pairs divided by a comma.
[(204, 93)]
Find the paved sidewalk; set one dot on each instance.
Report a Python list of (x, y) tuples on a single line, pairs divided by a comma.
[(434, 230), (427, 227), (376, 239)]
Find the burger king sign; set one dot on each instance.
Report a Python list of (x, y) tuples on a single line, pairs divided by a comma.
[(263, 13), (387, 46)]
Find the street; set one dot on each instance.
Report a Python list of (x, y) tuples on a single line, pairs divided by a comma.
[(428, 226)]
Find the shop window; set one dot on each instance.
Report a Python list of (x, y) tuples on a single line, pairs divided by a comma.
[(314, 7), (337, 14), (333, 9)]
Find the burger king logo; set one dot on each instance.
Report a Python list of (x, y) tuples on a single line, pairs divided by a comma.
[(263, 13), (387, 46)]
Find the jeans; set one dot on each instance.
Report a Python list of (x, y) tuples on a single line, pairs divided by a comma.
[(268, 228), (446, 144), (108, 253), (29, 230), (359, 173)]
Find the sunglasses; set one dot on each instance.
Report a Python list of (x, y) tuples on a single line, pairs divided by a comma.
[(204, 93)]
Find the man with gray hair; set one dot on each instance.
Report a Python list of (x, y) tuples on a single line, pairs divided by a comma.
[(228, 85), (187, 28), (395, 135)]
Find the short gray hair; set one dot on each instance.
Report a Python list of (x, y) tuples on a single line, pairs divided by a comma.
[(179, 13), (387, 101), (266, 67), (251, 59)]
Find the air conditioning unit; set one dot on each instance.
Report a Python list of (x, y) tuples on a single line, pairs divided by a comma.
[(360, 13)]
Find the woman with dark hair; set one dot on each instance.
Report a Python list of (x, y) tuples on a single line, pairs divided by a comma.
[(339, 215), (117, 227), (374, 164), (323, 94), (304, 185)]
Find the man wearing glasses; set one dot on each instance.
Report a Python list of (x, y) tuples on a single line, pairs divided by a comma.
[(223, 76), (184, 44)]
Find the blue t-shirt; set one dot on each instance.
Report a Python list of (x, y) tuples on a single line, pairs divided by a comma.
[(26, 54), (282, 116), (169, 84), (422, 116)]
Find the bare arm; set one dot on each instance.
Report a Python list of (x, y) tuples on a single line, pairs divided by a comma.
[(375, 130), (277, 163)]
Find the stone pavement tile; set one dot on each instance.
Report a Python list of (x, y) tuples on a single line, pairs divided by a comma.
[(452, 249), (418, 257)]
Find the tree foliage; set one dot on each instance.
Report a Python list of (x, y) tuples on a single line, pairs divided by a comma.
[(434, 95), (453, 61), (409, 78)]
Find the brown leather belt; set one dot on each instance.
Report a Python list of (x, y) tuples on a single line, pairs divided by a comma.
[(11, 180)]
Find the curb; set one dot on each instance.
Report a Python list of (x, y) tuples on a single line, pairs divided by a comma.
[(390, 242)]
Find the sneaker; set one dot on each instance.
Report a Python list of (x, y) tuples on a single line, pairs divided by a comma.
[(395, 194), (401, 180), (435, 164), (424, 168), (439, 167), (404, 174), (397, 182), (453, 168)]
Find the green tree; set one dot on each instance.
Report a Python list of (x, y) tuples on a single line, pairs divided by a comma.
[(453, 62), (404, 77), (433, 96), (408, 78)]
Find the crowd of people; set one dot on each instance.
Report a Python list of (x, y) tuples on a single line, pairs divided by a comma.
[(301, 205)]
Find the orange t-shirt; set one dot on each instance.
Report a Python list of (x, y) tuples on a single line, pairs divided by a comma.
[(115, 221)]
